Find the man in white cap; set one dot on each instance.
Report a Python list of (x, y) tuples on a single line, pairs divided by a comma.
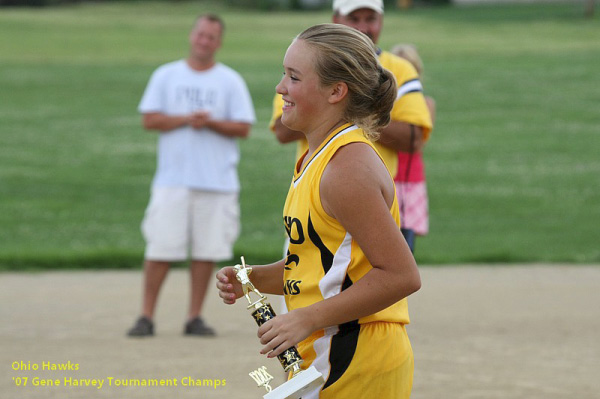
[(363, 15)]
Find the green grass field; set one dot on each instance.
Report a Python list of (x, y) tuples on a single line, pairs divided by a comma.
[(513, 166)]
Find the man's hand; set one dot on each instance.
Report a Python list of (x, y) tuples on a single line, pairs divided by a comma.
[(198, 119)]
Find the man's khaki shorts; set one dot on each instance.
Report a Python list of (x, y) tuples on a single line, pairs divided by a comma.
[(181, 222)]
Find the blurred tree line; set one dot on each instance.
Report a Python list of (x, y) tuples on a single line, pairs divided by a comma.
[(254, 4), (34, 3)]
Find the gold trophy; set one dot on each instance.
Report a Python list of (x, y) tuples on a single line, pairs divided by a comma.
[(301, 381)]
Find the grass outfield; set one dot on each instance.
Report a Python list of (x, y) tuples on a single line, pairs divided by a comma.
[(513, 166)]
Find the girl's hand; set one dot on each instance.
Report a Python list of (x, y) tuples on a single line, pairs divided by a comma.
[(284, 331), (229, 288)]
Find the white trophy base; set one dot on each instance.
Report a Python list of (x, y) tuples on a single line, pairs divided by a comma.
[(298, 385)]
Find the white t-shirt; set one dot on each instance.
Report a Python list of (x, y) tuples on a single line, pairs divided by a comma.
[(201, 159)]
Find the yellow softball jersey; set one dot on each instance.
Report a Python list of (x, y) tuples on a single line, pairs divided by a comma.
[(324, 260), (410, 107)]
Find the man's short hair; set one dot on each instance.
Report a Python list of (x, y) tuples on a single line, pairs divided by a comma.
[(212, 18)]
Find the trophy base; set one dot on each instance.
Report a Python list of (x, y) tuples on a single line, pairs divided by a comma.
[(297, 386)]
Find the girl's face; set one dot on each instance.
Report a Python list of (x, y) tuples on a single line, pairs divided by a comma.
[(304, 97)]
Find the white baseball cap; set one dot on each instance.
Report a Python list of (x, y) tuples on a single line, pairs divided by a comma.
[(345, 7)]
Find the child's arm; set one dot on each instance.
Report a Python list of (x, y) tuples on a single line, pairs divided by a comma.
[(268, 279), (356, 189)]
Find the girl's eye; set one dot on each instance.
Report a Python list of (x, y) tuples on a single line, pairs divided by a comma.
[(292, 77)]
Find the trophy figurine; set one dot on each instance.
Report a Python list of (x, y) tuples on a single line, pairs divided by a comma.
[(301, 381)]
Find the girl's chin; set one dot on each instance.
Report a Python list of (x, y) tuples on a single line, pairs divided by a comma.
[(287, 123)]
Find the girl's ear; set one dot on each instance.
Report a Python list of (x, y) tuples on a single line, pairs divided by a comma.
[(338, 92)]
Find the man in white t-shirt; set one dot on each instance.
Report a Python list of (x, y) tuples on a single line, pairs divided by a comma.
[(200, 108)]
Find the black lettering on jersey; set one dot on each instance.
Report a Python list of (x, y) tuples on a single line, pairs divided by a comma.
[(291, 287), (294, 229), (291, 258), (326, 255)]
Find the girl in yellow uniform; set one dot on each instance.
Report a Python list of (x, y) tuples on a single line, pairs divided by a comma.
[(348, 270)]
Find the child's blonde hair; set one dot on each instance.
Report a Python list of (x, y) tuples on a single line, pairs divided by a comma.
[(347, 55), (409, 53)]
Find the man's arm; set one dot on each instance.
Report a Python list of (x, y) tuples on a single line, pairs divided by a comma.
[(164, 123), (284, 134), (397, 135), (197, 120), (229, 128)]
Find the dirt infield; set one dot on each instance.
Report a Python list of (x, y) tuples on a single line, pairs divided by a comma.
[(477, 332)]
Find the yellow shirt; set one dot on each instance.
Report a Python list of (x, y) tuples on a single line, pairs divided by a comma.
[(410, 107), (323, 258)]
